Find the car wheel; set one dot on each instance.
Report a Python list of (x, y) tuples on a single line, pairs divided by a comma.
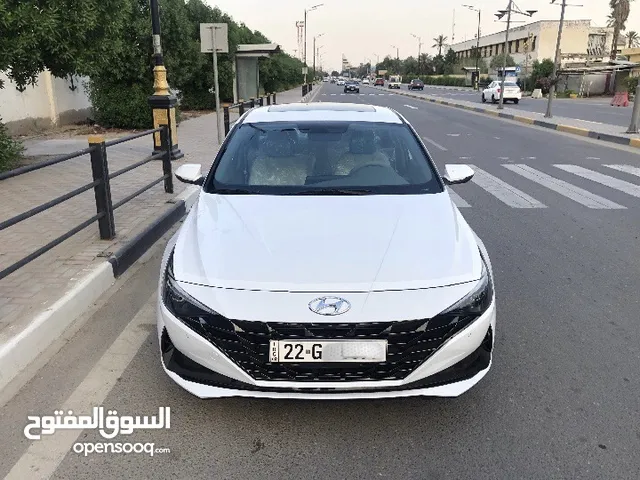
[(484, 100), (493, 99), (516, 100)]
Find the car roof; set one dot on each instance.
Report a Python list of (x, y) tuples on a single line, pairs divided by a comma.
[(324, 111)]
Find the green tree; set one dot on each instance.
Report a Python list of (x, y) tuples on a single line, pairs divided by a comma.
[(450, 61), (619, 14), (633, 39), (498, 61), (66, 38), (440, 43)]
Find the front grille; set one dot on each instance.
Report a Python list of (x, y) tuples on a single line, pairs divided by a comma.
[(409, 342)]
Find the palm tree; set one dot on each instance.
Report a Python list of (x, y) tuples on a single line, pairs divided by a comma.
[(441, 41), (619, 15), (633, 39)]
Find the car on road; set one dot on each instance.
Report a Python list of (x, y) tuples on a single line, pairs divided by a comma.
[(351, 86), (395, 81), (512, 92), (365, 81), (325, 259), (379, 82), (325, 79), (340, 83), (416, 84)]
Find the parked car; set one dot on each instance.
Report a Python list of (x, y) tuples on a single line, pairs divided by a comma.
[(248, 306), (416, 85), (351, 86), (512, 92), (379, 82)]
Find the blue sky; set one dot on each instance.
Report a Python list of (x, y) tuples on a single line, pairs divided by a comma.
[(363, 28)]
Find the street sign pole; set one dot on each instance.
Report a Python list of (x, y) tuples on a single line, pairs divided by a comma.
[(216, 87)]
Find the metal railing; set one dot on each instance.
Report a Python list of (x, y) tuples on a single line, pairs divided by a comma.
[(243, 106), (101, 187), (306, 88)]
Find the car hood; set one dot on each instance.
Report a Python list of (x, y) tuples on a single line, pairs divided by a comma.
[(326, 243)]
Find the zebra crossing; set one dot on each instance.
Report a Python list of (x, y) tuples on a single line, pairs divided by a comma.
[(496, 184)]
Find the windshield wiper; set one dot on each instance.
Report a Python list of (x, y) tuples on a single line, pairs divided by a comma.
[(230, 191), (334, 191)]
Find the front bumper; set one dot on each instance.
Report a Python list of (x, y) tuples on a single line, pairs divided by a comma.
[(202, 369)]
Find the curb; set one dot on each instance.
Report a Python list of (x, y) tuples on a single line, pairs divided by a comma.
[(309, 97), (23, 347), (582, 132)]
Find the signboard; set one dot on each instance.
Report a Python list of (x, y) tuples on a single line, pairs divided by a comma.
[(382, 72), (305, 70), (517, 69), (221, 37)]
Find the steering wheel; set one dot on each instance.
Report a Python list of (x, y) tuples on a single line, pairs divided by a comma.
[(368, 165)]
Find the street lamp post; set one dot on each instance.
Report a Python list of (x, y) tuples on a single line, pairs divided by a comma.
[(163, 103), (314, 53), (419, 51), (305, 34), (471, 7), (500, 14)]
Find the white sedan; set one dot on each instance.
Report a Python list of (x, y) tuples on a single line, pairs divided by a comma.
[(512, 92), (340, 83), (325, 259), (365, 81)]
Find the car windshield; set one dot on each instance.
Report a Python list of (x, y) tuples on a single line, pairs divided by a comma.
[(323, 158)]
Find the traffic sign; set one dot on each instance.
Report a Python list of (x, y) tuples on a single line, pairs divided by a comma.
[(518, 69)]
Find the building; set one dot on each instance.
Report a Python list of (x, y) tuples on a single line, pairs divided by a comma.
[(536, 41)]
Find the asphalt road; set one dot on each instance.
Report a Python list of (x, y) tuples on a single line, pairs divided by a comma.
[(596, 110), (562, 399)]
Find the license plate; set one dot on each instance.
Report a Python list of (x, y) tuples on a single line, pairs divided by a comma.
[(328, 351)]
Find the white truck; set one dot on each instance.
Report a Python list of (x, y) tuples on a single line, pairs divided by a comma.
[(395, 81)]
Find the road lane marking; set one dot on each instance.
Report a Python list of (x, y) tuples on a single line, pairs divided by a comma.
[(503, 158), (411, 107), (626, 169), (427, 139), (503, 191), (612, 182), (372, 94), (323, 94), (593, 158), (453, 134), (333, 94), (44, 456), (458, 200), (566, 189)]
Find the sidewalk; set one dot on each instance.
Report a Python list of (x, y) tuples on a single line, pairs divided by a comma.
[(33, 288), (603, 131)]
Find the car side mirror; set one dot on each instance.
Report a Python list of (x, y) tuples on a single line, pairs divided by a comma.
[(455, 174), (190, 173)]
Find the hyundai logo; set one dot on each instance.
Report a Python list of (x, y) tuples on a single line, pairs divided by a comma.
[(329, 306)]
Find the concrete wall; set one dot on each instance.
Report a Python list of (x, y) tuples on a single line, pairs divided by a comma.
[(50, 102)]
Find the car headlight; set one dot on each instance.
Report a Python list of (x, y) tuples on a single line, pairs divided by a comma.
[(179, 302), (476, 302)]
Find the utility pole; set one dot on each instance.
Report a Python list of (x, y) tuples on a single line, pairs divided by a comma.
[(500, 14), (504, 57), (552, 87)]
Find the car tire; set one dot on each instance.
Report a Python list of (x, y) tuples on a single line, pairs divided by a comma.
[(493, 99), (516, 100), (484, 100)]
